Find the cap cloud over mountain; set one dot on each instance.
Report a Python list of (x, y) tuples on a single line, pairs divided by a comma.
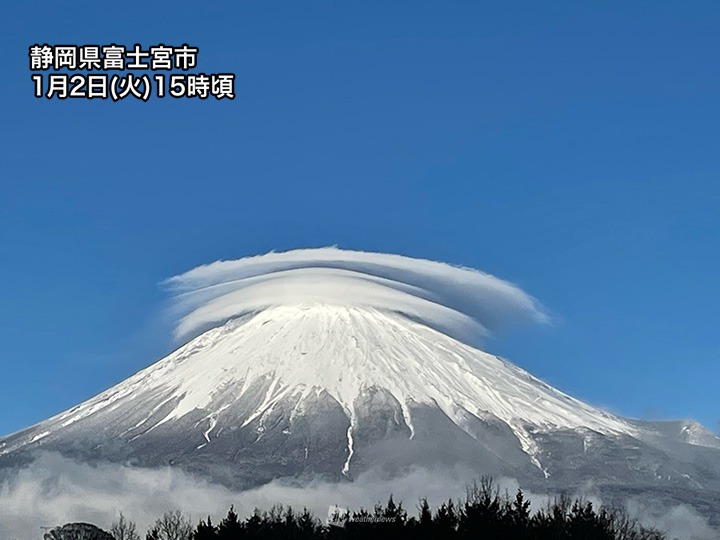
[(459, 301)]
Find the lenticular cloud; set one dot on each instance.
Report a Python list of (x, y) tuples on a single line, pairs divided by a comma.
[(462, 302)]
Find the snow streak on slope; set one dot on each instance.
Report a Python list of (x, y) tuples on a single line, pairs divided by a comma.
[(461, 302)]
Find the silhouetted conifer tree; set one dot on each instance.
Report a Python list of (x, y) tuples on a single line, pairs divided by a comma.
[(230, 527), (518, 516), (446, 519), (255, 525), (205, 530)]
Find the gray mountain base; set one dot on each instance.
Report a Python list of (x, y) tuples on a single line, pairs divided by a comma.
[(243, 439), (664, 468)]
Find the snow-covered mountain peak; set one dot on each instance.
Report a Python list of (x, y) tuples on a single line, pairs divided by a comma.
[(346, 350), (302, 350)]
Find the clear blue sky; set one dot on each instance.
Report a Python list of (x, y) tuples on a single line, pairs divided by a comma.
[(570, 147)]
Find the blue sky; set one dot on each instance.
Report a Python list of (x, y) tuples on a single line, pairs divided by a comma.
[(568, 147)]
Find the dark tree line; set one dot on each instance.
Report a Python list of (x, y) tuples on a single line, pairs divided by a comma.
[(484, 513)]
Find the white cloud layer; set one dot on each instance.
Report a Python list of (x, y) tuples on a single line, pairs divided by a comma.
[(462, 302), (55, 490)]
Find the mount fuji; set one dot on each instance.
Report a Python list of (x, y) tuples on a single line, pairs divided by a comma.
[(327, 363)]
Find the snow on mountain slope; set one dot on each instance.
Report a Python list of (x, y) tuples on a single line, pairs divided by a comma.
[(303, 349), (326, 363)]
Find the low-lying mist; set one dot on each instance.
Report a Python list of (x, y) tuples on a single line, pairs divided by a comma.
[(55, 490)]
